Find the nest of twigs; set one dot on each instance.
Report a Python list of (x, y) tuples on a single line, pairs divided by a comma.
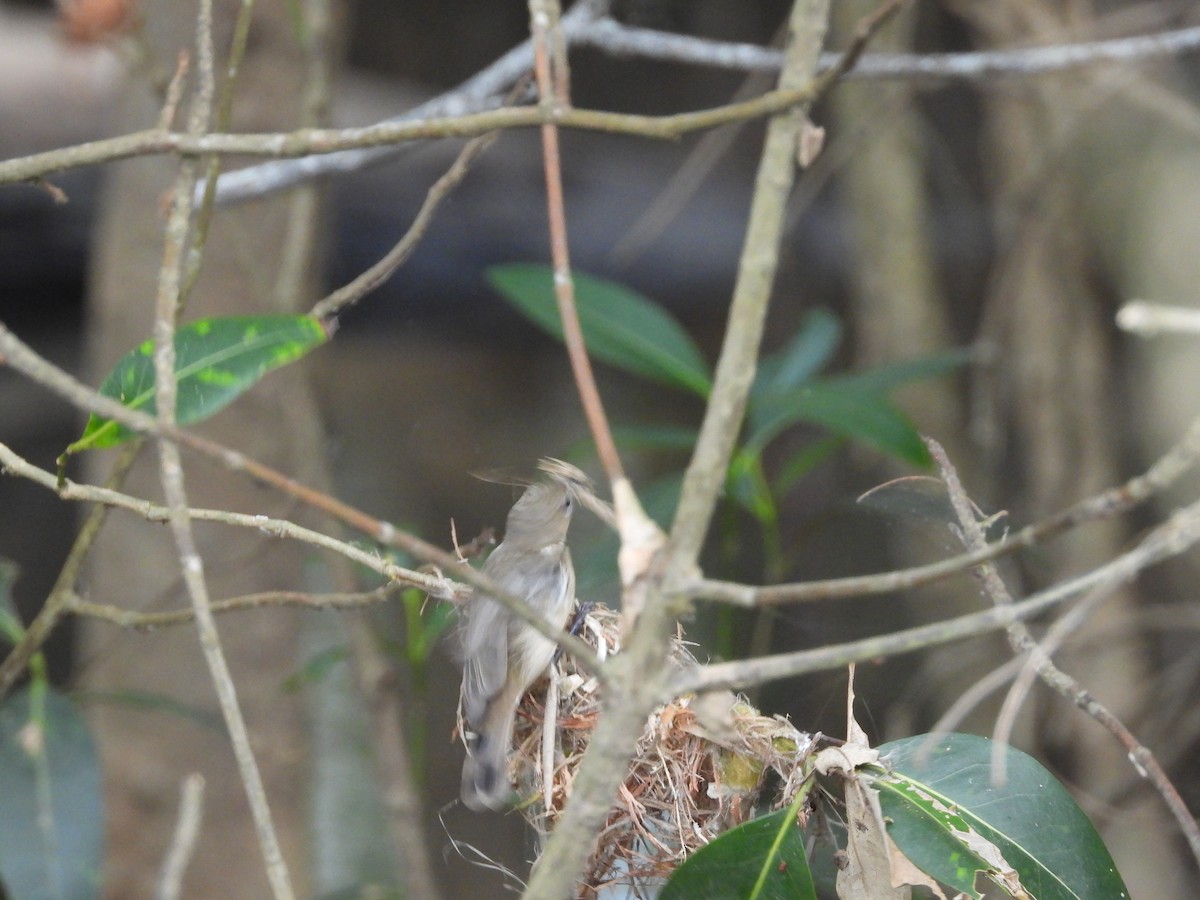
[(699, 769)]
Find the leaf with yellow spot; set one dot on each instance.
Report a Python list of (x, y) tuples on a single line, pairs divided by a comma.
[(216, 360)]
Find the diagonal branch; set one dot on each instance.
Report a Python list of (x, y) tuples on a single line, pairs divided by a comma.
[(553, 81), (1178, 460), (171, 473), (587, 24), (1180, 533), (1022, 642), (435, 585), (640, 675)]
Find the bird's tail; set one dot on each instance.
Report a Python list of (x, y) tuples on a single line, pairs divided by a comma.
[(485, 783)]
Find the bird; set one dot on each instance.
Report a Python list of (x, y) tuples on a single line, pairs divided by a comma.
[(503, 655)]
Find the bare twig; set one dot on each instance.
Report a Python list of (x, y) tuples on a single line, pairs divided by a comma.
[(641, 672), (381, 271), (223, 119), (1150, 319), (171, 472), (747, 314), (127, 618), (183, 843), (482, 91), (58, 600), (436, 586), (553, 80), (1181, 458), (29, 363), (626, 40), (174, 93), (585, 23), (1176, 536), (318, 141), (1140, 756)]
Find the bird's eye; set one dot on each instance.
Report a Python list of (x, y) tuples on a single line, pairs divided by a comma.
[(567, 503)]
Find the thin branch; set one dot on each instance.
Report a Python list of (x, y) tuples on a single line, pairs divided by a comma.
[(1143, 760), (436, 586), (1147, 319), (722, 423), (59, 598), (183, 843), (381, 271), (586, 24), (306, 142), (976, 694), (484, 90), (641, 673), (171, 473), (174, 92), (139, 621), (1181, 458), (553, 81), (1176, 536), (222, 122), (613, 37)]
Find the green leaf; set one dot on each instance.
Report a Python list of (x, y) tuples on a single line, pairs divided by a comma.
[(805, 355), (853, 406), (844, 409), (51, 808), (762, 859), (934, 803), (216, 360), (621, 327)]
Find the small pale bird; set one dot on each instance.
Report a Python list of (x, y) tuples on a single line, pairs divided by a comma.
[(503, 656)]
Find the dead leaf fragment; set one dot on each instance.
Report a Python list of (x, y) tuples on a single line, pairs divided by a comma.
[(809, 143)]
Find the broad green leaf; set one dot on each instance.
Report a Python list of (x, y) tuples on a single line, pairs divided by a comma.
[(939, 804), (216, 360), (854, 406), (848, 410), (802, 357), (762, 859), (51, 808), (621, 327)]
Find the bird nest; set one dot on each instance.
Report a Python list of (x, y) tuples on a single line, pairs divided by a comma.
[(700, 767)]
